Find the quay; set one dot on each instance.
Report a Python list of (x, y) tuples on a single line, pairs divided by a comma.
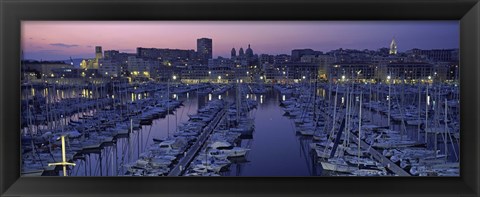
[(179, 169), (380, 157)]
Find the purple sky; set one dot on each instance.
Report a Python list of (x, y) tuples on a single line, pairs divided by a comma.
[(58, 40)]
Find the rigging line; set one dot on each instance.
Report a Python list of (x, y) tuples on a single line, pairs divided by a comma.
[(148, 136), (77, 169), (124, 149), (97, 166), (123, 155)]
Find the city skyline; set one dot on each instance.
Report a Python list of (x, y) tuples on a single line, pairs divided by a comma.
[(76, 40)]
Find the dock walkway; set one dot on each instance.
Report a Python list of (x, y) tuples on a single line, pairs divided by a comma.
[(195, 148), (380, 157)]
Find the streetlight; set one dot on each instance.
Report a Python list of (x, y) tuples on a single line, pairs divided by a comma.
[(209, 76), (303, 77), (174, 77), (343, 77)]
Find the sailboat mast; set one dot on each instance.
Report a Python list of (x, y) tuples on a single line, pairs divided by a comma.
[(426, 116), (168, 108), (360, 125), (389, 100), (418, 115), (346, 116), (315, 99), (334, 110), (446, 130)]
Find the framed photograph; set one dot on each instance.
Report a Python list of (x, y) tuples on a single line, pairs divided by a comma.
[(240, 98)]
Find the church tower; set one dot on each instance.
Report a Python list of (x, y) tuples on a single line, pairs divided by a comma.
[(240, 52), (233, 53), (393, 47)]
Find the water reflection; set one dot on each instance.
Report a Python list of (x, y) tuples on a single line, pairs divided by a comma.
[(276, 150)]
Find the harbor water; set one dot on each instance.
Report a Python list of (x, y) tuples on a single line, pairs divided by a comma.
[(275, 147)]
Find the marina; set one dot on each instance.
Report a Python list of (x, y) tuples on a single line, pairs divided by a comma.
[(232, 130), (306, 106)]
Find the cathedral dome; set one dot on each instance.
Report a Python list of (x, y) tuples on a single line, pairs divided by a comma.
[(249, 51)]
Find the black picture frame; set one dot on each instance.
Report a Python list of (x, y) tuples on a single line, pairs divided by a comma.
[(14, 11)]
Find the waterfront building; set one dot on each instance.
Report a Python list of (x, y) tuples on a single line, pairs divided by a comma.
[(89, 64), (110, 54), (274, 74), (221, 74), (266, 58), (436, 55), (294, 71), (142, 68), (323, 61), (204, 49), (453, 71), (117, 60), (408, 72), (46, 69), (347, 71), (164, 72), (64, 72), (195, 74), (166, 55), (351, 55), (220, 61), (297, 54), (109, 68), (98, 53), (379, 60), (282, 58)]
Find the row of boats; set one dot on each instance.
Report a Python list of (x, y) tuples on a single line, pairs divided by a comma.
[(222, 147), (90, 131), (209, 135), (373, 150)]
